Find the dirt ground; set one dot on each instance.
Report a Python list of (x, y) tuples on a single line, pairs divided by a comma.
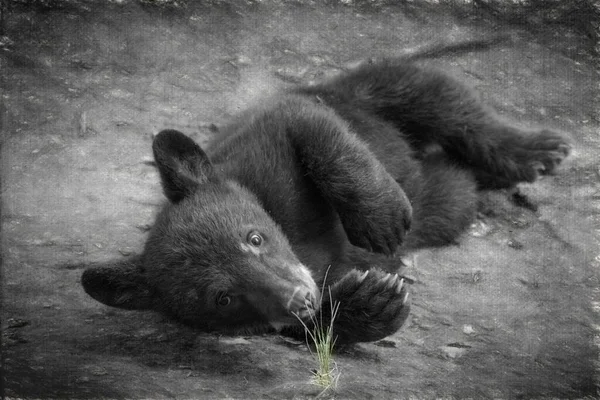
[(510, 312)]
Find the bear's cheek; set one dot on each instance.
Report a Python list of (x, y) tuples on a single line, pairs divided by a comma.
[(238, 314), (239, 306), (192, 296)]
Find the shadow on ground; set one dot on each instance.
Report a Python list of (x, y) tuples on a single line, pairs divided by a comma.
[(508, 313)]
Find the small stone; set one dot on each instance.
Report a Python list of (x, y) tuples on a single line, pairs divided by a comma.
[(452, 352), (125, 252), (144, 227), (519, 222), (162, 338), (515, 244), (476, 276), (468, 330), (243, 60), (480, 229)]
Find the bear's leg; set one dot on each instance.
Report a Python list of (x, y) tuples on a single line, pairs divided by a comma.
[(447, 112), (445, 206), (443, 195), (372, 207), (431, 107), (372, 305)]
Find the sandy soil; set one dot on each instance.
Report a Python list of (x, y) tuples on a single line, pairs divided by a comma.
[(511, 312)]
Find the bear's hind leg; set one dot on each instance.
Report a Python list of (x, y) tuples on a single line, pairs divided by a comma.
[(445, 111), (431, 107), (520, 157), (445, 206)]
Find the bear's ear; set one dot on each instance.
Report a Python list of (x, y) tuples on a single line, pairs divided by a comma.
[(182, 164), (122, 286)]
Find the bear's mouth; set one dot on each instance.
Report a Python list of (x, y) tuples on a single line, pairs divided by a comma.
[(281, 310), (303, 303)]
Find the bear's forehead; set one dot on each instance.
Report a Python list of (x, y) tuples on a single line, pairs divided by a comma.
[(218, 219), (228, 210)]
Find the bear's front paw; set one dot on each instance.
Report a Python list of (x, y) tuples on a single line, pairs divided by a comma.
[(378, 222), (372, 305)]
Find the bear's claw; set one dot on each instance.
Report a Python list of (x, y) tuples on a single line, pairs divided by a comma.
[(399, 289), (391, 281), (362, 277)]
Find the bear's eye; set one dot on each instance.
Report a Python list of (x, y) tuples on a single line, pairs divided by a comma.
[(222, 299), (255, 239)]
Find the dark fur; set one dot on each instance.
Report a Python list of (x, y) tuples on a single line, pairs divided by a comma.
[(387, 158)]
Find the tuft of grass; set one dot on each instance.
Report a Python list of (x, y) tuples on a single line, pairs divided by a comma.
[(326, 375)]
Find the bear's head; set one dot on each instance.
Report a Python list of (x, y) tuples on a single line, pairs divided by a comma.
[(214, 258)]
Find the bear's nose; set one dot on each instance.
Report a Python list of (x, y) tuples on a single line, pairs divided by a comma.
[(303, 303)]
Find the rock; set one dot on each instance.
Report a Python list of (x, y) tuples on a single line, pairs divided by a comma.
[(144, 227), (515, 244), (243, 60), (452, 352), (125, 252), (468, 330), (480, 229)]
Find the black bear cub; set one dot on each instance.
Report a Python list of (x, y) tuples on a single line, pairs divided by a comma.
[(301, 193)]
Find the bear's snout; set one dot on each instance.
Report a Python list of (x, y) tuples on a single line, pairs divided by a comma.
[(304, 302)]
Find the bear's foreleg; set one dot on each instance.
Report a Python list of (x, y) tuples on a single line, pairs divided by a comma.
[(372, 207)]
